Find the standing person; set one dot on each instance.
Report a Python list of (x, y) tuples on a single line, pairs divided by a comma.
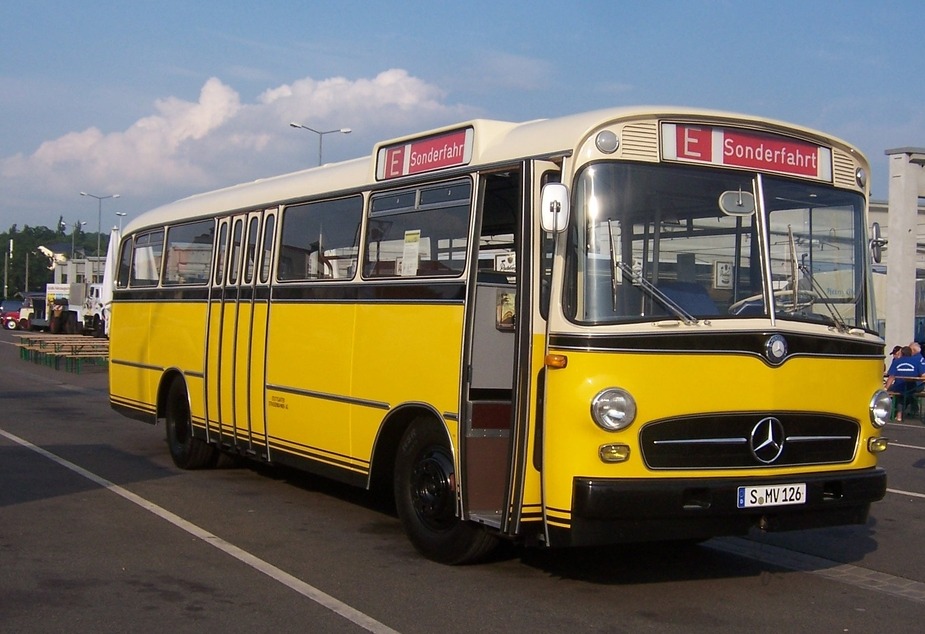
[(901, 380)]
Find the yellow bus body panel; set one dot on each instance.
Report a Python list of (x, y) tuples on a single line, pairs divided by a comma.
[(146, 352), (673, 385), (336, 370)]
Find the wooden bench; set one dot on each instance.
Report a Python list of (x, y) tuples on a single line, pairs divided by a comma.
[(919, 397), (73, 350)]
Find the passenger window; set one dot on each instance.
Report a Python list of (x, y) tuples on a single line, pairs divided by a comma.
[(189, 253), (419, 233), (125, 264), (320, 240), (235, 261), (220, 259), (267, 252), (147, 254), (250, 254)]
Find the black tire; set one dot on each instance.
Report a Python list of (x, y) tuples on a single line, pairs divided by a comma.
[(11, 324), (425, 498), (187, 452)]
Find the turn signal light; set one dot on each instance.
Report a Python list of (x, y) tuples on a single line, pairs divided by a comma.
[(556, 361), (877, 445), (614, 453)]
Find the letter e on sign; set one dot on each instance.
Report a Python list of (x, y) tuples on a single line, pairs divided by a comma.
[(394, 161), (695, 143)]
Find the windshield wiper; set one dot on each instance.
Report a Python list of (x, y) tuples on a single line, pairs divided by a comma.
[(653, 291), (829, 304), (650, 289)]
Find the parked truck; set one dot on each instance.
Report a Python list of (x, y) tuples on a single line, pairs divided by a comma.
[(63, 308)]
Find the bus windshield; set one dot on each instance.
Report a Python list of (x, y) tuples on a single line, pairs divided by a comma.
[(651, 242)]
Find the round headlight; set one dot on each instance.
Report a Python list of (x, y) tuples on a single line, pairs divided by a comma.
[(881, 406), (613, 409)]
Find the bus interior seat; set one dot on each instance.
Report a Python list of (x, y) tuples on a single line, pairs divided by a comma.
[(690, 296)]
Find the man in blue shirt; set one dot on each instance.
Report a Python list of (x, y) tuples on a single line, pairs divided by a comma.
[(901, 380)]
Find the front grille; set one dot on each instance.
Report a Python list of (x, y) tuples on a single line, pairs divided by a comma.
[(725, 441)]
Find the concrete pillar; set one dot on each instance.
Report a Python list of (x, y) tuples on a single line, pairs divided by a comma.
[(907, 184)]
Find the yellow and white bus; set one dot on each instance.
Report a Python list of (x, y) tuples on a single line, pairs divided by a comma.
[(623, 325)]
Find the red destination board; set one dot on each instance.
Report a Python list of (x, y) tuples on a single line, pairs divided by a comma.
[(427, 154), (745, 148)]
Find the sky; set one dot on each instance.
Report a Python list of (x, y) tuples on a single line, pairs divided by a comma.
[(159, 100)]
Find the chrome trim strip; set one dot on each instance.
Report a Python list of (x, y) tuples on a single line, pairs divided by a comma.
[(349, 400), (702, 441)]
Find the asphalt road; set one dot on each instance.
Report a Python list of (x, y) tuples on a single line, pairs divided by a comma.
[(99, 532)]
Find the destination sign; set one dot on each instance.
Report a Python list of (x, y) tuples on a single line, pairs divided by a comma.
[(745, 148), (426, 154)]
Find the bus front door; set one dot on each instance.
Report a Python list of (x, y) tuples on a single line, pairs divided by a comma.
[(501, 385)]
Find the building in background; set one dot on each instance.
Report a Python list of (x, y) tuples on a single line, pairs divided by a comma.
[(879, 213)]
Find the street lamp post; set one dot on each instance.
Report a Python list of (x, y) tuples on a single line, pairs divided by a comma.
[(77, 227), (121, 215), (99, 225), (72, 266), (320, 134)]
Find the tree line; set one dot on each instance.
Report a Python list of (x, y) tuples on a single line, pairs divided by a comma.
[(25, 249)]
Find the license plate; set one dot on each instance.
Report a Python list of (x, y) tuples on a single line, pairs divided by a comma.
[(772, 495)]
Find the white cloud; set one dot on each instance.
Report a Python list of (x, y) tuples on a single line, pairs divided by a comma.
[(188, 146)]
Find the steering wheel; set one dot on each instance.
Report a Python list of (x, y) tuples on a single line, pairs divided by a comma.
[(783, 300)]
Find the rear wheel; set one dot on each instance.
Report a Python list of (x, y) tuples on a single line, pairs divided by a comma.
[(425, 497), (11, 324), (187, 451)]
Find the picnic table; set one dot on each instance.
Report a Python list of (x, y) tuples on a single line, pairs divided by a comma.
[(71, 352)]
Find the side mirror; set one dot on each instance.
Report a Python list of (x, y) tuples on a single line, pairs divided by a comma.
[(737, 203), (554, 208), (877, 242)]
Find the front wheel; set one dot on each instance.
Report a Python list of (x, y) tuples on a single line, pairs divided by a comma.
[(10, 324), (187, 451), (425, 497)]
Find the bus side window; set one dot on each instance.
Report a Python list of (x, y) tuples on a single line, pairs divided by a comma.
[(125, 263), (234, 261), (320, 240), (267, 251), (188, 253), (419, 233), (221, 249), (146, 263), (250, 254)]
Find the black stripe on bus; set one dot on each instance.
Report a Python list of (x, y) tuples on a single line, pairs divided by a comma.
[(719, 342), (169, 294), (397, 292), (452, 292)]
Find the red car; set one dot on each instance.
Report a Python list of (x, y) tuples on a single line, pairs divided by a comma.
[(9, 313)]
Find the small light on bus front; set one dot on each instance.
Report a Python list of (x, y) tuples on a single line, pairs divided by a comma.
[(877, 445), (614, 453), (860, 175), (613, 409), (881, 406), (557, 361), (607, 141)]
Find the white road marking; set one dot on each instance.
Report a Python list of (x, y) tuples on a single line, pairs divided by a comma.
[(338, 607), (896, 444), (909, 493), (836, 571)]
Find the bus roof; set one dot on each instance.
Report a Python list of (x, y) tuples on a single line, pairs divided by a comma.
[(492, 142)]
